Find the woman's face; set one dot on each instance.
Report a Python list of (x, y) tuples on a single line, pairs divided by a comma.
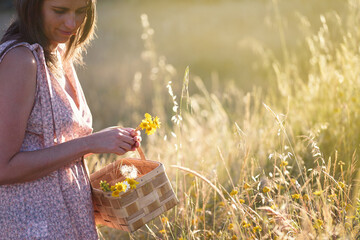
[(62, 19)]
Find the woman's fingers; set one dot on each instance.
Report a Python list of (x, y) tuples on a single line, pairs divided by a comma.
[(115, 140), (126, 138)]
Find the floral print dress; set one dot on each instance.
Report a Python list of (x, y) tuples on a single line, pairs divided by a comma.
[(59, 205)]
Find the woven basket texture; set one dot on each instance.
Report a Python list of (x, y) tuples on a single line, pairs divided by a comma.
[(133, 209)]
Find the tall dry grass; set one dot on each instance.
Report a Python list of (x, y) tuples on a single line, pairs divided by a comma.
[(254, 165)]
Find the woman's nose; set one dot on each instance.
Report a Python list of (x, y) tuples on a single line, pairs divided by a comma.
[(70, 21)]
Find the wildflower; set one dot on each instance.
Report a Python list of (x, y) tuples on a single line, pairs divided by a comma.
[(115, 193), (234, 237), (348, 207), (150, 124), (306, 197), (221, 204), (274, 206), (244, 224), (129, 171), (333, 196), (342, 185), (132, 183), (241, 201), (231, 226), (266, 189), (105, 186), (164, 220), (121, 186), (233, 192), (190, 175), (163, 231), (209, 234), (246, 186), (256, 229), (318, 223), (293, 181), (195, 221), (157, 122), (317, 193), (284, 163), (296, 196), (112, 188)]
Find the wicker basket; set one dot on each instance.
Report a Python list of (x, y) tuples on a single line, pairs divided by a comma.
[(133, 209)]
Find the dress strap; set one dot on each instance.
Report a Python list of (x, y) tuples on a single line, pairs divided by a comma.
[(46, 91)]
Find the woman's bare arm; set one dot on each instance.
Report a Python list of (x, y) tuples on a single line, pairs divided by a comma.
[(17, 90)]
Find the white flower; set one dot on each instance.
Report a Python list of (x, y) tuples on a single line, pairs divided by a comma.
[(129, 171), (127, 186)]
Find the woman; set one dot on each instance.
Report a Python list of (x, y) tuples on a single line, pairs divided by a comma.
[(45, 124)]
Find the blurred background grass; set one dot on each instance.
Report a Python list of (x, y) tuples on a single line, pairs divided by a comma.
[(213, 37)]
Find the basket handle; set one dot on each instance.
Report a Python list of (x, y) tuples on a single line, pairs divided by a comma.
[(141, 153)]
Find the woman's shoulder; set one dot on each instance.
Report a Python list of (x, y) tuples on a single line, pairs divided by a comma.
[(19, 55), (18, 61)]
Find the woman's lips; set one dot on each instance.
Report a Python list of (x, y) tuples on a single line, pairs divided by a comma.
[(65, 33)]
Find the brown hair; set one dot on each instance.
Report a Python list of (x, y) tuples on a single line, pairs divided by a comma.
[(28, 27)]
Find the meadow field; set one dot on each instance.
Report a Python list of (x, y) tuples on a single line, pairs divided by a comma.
[(259, 135)]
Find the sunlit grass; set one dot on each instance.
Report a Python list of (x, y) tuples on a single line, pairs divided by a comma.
[(256, 165)]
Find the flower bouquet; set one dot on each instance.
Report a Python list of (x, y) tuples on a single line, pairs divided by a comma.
[(130, 192)]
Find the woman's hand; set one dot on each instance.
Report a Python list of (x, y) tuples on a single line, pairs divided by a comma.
[(114, 140)]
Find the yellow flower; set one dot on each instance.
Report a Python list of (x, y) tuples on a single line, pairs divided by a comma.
[(112, 188), (147, 116), (144, 124), (284, 163), (295, 196), (241, 201), (317, 193), (234, 237), (318, 223), (246, 186), (149, 130), (256, 229), (195, 221), (150, 124), (164, 220), (132, 183), (348, 207), (157, 122), (306, 197), (231, 226), (266, 189), (115, 193), (244, 224), (221, 204), (233, 192), (342, 185), (105, 186), (274, 206), (333, 196), (163, 231), (121, 186)]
